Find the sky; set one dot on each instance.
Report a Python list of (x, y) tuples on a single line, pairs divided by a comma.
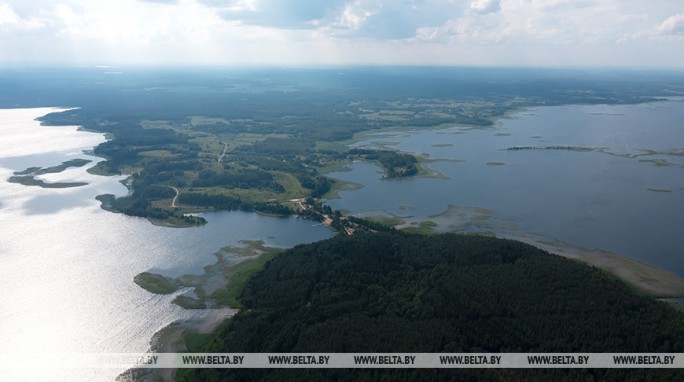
[(533, 33)]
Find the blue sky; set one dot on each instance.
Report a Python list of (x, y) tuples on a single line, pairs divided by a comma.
[(556, 33)]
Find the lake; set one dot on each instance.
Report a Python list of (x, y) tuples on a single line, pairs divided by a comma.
[(602, 190), (67, 266)]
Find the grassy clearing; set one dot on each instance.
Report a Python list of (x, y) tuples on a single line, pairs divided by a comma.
[(249, 248), (158, 154), (187, 302), (335, 166), (293, 189), (221, 283), (338, 186), (338, 146), (425, 227), (201, 120), (155, 283), (238, 275), (388, 220), (247, 195)]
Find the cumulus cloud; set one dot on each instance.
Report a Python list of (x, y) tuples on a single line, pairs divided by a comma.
[(286, 14), (7, 15), (371, 19), (485, 6), (393, 20), (673, 25), (160, 1), (339, 31), (9, 18)]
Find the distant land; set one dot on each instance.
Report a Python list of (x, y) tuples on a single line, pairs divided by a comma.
[(264, 140), (194, 140)]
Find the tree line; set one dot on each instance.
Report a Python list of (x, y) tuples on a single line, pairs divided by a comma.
[(394, 292)]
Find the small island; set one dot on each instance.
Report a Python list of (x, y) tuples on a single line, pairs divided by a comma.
[(28, 177)]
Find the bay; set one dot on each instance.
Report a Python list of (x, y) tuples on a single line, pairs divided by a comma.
[(67, 266), (587, 178)]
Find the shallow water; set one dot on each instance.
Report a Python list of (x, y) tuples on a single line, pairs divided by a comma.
[(67, 266), (587, 198)]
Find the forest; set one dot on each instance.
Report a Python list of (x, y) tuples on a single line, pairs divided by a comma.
[(396, 165), (396, 292), (256, 138)]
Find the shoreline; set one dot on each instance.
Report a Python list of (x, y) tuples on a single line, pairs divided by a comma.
[(640, 276), (644, 278), (171, 339)]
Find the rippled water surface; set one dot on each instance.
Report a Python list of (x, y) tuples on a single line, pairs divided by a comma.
[(601, 191), (67, 266)]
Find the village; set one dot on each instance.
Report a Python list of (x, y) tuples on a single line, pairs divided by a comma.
[(343, 224)]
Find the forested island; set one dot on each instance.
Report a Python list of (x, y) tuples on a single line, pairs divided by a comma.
[(396, 292), (28, 177)]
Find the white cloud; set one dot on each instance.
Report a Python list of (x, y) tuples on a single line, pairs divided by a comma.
[(7, 15), (485, 6), (286, 14), (558, 22), (389, 20), (160, 1), (343, 31), (353, 16), (673, 25), (9, 18)]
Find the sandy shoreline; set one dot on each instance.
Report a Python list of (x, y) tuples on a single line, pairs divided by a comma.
[(170, 340), (645, 278)]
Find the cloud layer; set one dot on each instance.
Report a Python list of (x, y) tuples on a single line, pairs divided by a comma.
[(673, 25), (456, 32)]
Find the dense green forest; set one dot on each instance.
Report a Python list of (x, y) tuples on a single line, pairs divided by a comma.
[(396, 165), (257, 138), (395, 292)]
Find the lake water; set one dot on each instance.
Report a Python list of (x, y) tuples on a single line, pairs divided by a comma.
[(596, 200), (67, 266)]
